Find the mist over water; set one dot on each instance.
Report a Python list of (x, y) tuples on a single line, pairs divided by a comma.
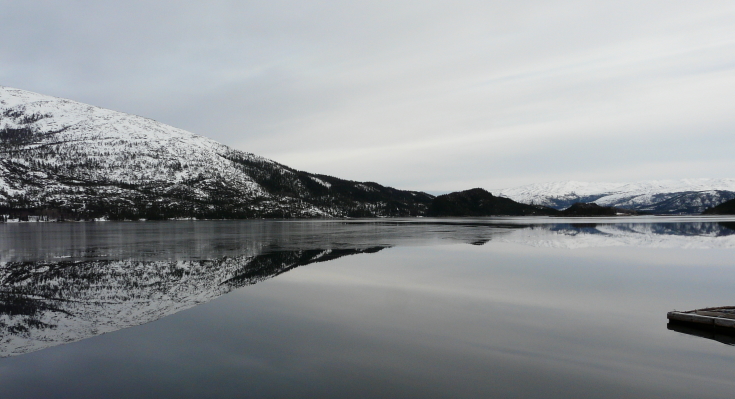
[(485, 307)]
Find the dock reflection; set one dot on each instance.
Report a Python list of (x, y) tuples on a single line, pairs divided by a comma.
[(719, 334)]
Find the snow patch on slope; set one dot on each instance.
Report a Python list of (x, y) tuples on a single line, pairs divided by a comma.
[(320, 181)]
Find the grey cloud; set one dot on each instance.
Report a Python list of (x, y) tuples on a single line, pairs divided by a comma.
[(425, 95)]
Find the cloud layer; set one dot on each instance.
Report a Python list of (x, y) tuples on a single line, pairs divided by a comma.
[(429, 95)]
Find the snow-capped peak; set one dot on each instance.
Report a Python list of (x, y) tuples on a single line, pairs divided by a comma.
[(693, 195)]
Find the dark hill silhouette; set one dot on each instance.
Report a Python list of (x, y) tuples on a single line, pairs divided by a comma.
[(592, 209), (479, 202), (725, 208), (588, 209)]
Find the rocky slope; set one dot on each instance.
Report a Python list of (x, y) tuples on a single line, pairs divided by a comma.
[(61, 158)]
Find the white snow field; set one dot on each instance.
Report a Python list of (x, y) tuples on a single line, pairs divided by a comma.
[(658, 196)]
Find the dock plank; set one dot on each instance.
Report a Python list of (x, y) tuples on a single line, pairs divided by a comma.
[(723, 316)]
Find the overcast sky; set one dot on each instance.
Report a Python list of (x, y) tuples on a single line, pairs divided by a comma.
[(427, 95)]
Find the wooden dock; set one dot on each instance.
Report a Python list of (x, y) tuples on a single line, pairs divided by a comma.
[(721, 318)]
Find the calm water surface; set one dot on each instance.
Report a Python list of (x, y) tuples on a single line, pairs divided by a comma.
[(365, 308)]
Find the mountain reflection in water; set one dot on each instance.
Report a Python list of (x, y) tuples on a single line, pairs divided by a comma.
[(698, 235), (48, 303), (65, 282)]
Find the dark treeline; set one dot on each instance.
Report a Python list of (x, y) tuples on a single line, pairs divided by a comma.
[(475, 202), (725, 208)]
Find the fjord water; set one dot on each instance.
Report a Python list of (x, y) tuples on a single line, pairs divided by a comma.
[(488, 307)]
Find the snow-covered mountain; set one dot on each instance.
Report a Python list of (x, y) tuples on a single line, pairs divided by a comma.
[(71, 158), (687, 196)]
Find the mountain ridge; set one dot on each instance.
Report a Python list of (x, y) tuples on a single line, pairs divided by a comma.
[(74, 160), (725, 208), (688, 196), (480, 202), (61, 159)]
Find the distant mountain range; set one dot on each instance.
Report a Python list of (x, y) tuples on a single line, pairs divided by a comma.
[(60, 159), (688, 196)]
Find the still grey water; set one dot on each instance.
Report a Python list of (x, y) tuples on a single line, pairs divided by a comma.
[(486, 307)]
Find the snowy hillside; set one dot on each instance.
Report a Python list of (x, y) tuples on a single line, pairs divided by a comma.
[(689, 196), (68, 157)]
